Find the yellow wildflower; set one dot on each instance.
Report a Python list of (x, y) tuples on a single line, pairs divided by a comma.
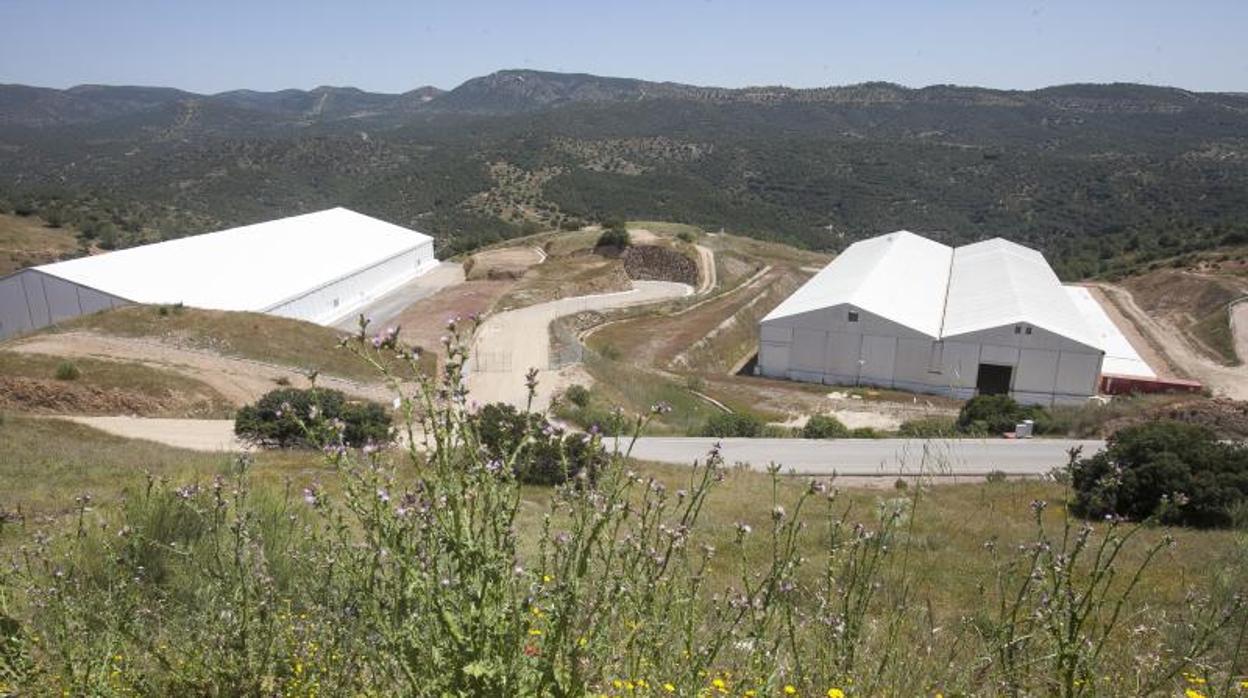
[(669, 687), (836, 693), (534, 631), (789, 690), (1193, 693)]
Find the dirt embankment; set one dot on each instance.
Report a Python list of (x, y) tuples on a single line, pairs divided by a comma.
[(48, 396), (1228, 418), (1195, 304)]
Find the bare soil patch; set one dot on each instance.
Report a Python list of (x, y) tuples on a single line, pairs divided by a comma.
[(424, 322), (502, 263)]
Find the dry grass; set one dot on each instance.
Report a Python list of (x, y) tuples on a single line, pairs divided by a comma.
[(28, 383), (27, 241), (46, 463), (563, 277), (253, 336)]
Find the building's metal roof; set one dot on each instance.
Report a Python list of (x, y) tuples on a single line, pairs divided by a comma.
[(899, 276), (997, 282), (1121, 358), (944, 292), (254, 267)]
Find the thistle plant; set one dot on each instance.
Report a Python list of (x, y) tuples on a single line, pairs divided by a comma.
[(428, 567)]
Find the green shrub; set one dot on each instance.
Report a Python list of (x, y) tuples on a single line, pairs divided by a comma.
[(577, 395), (614, 237), (295, 418), (726, 424), (1180, 473), (822, 426), (865, 433), (776, 431), (995, 476), (67, 371), (539, 452), (996, 414), (927, 428), (686, 236)]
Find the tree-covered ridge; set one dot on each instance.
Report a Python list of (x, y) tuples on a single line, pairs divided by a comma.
[(1097, 176)]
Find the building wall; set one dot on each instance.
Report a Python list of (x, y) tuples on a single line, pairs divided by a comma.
[(30, 299), (343, 297), (823, 347)]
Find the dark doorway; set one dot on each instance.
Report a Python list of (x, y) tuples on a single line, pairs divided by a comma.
[(993, 379)]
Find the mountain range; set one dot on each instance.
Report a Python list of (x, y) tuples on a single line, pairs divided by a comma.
[(1098, 176)]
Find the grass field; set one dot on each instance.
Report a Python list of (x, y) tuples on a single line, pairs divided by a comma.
[(28, 241)]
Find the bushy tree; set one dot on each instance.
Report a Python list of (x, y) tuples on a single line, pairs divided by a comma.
[(1180, 473), (823, 426), (614, 237), (538, 452), (296, 418)]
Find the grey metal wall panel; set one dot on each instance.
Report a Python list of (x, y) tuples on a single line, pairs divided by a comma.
[(62, 298), (30, 299), (36, 302), (14, 313)]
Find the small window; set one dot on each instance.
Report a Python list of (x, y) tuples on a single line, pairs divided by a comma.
[(1018, 330), (853, 316), (1028, 330)]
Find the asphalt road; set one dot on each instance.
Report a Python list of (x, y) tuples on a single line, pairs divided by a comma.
[(873, 457), (848, 457)]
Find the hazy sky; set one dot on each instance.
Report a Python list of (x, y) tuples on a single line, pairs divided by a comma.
[(392, 46)]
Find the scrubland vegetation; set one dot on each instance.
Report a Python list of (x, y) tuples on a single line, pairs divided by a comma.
[(432, 570)]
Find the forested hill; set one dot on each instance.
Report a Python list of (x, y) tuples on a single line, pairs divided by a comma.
[(1098, 176)]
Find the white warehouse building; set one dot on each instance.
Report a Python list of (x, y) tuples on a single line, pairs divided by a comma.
[(902, 311), (318, 267)]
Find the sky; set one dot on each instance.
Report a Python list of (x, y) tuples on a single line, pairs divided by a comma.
[(393, 46)]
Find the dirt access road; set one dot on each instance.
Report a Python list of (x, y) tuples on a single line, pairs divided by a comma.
[(239, 380), (1228, 381), (508, 344)]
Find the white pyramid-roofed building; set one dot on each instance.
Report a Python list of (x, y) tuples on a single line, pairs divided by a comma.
[(902, 311), (318, 267)]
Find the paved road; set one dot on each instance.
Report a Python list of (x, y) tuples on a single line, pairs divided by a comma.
[(873, 457), (391, 305), (508, 344), (849, 457)]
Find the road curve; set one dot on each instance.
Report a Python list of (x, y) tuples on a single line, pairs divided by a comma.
[(510, 343)]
